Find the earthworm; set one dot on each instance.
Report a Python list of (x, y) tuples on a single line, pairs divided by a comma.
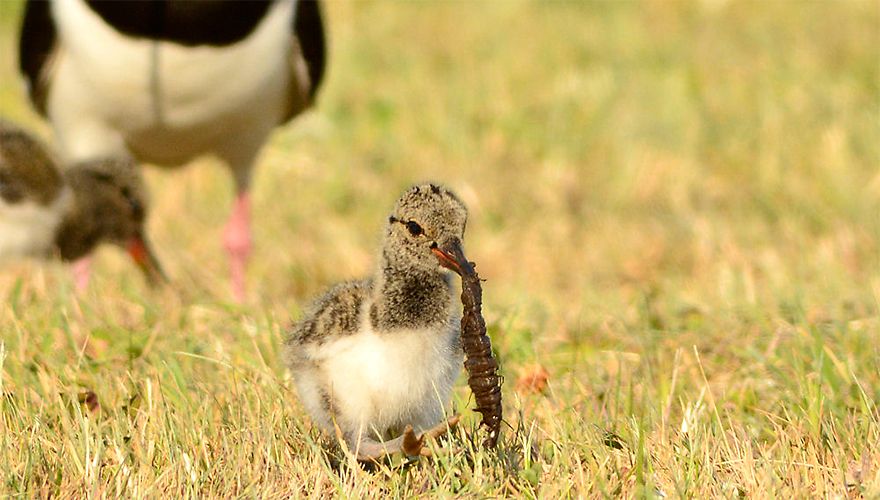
[(481, 366)]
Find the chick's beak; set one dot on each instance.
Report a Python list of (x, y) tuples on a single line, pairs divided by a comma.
[(146, 260), (451, 256)]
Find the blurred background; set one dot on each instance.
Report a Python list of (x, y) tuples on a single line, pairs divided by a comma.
[(598, 145), (642, 177), (724, 152), (689, 157), (601, 146)]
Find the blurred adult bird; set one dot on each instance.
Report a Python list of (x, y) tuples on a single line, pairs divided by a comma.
[(45, 211), (170, 80)]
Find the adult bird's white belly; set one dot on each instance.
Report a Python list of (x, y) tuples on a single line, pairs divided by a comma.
[(166, 102)]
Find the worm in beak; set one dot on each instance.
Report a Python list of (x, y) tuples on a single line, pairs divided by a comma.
[(451, 256)]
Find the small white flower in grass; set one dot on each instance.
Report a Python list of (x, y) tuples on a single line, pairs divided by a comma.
[(187, 464), (2, 358), (691, 413), (249, 327)]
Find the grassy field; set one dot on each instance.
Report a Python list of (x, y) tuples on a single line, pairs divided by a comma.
[(676, 206)]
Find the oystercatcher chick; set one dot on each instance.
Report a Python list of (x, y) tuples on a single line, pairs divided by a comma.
[(170, 80), (375, 360), (44, 211)]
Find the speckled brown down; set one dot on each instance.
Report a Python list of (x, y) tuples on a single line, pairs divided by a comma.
[(27, 169)]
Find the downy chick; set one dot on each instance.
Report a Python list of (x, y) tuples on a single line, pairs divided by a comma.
[(377, 358)]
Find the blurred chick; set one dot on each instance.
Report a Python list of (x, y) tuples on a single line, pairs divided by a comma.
[(375, 359), (43, 211)]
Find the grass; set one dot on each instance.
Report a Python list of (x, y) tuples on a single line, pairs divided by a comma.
[(676, 206)]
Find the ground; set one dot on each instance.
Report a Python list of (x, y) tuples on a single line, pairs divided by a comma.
[(676, 207)]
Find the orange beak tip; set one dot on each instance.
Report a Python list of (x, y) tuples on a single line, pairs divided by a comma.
[(142, 256), (447, 261)]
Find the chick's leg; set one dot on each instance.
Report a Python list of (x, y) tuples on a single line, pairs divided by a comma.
[(81, 272), (370, 450)]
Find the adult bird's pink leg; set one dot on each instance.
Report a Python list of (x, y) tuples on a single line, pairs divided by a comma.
[(237, 241), (82, 268)]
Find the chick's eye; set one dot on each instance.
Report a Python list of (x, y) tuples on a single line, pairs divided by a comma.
[(414, 229), (102, 177), (137, 209)]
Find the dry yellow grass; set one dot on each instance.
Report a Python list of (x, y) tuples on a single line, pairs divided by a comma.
[(676, 206)]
